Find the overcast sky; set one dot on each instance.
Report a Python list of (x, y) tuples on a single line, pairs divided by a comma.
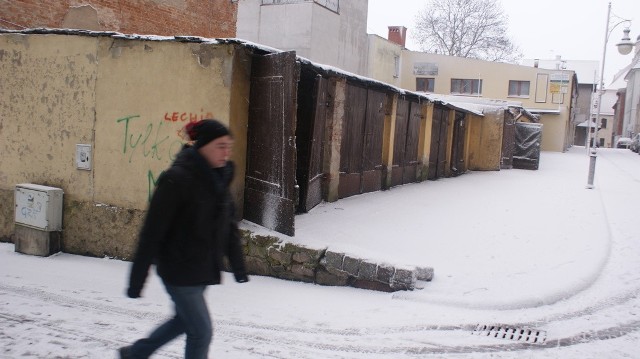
[(574, 29)]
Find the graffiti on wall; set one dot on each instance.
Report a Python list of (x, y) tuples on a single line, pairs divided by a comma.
[(156, 140), (186, 116), (30, 207)]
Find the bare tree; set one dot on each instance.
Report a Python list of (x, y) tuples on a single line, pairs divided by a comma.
[(466, 28)]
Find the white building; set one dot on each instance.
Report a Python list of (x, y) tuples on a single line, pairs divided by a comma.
[(631, 120), (330, 32)]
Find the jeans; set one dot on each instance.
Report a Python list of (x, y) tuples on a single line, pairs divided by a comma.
[(192, 318)]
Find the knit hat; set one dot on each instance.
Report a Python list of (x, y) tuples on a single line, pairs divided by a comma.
[(205, 131)]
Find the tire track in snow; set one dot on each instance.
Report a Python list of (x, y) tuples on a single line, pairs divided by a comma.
[(56, 329), (326, 341)]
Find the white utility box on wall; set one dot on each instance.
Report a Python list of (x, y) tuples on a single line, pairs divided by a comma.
[(38, 219), (39, 206)]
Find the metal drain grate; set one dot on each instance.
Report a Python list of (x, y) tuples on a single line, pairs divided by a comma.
[(526, 335)]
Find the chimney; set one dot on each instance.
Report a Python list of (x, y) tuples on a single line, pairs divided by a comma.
[(398, 35)]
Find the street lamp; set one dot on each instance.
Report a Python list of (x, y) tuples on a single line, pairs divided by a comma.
[(624, 47)]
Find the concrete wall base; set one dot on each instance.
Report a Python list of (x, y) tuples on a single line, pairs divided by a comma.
[(36, 242), (100, 230)]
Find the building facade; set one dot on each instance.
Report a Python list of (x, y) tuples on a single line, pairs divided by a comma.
[(631, 113), (214, 18), (551, 94), (330, 32), (334, 33)]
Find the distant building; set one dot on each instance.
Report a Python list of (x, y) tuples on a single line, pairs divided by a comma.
[(549, 93), (630, 108), (587, 75)]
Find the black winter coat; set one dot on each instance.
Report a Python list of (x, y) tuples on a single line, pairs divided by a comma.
[(189, 226)]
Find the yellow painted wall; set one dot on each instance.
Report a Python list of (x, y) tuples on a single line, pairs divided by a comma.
[(128, 99), (147, 91), (424, 139), (552, 124), (48, 106)]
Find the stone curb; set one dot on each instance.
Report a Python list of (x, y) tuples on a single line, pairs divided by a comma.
[(268, 256)]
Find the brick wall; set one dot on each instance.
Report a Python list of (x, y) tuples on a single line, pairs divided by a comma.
[(207, 18)]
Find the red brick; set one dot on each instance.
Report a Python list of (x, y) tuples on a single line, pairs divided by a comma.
[(215, 18)]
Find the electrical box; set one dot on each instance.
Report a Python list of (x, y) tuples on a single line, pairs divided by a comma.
[(39, 207), (83, 157)]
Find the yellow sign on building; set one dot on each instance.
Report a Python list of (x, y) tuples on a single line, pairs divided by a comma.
[(559, 83)]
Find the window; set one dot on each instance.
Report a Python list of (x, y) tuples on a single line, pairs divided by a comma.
[(333, 5), (603, 123), (541, 88), (518, 88), (424, 84), (396, 60), (466, 86)]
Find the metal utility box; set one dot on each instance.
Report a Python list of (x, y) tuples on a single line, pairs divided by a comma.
[(38, 219), (39, 207)]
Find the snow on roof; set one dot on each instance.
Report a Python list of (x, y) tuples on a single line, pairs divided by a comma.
[(635, 65), (588, 123), (460, 103), (544, 111)]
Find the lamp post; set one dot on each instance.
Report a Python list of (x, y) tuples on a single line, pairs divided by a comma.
[(624, 47)]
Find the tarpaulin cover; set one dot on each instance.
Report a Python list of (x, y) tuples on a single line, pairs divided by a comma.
[(527, 151)]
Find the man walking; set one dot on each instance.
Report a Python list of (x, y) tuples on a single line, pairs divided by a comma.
[(188, 230)]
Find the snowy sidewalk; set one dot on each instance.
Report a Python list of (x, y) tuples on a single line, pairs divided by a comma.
[(497, 241), (494, 239)]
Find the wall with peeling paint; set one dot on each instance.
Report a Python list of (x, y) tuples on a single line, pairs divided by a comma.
[(48, 106), (211, 18), (128, 98)]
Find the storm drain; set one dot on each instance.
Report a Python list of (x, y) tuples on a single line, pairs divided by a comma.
[(524, 335)]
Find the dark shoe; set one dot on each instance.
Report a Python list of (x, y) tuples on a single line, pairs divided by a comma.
[(125, 353)]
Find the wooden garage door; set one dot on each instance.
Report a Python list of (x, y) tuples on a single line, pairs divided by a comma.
[(458, 165), (270, 180), (355, 110), (438, 152), (309, 139), (372, 166), (410, 164), (361, 148), (400, 142)]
